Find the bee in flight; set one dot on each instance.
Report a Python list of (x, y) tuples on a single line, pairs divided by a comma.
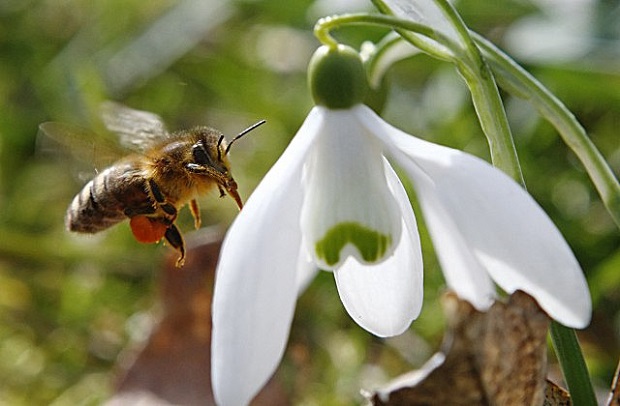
[(150, 186)]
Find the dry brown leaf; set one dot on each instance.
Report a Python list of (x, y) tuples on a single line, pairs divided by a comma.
[(556, 396), (493, 358)]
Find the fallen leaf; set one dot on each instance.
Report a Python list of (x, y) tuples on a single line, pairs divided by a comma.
[(493, 358), (556, 396)]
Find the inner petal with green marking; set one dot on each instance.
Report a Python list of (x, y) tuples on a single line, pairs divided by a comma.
[(371, 244)]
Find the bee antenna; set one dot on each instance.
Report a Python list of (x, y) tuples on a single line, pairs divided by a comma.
[(241, 134), (219, 151)]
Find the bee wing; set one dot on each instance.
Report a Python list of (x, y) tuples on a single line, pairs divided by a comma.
[(81, 143), (137, 129)]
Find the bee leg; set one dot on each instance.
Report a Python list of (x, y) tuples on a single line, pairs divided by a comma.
[(160, 199), (175, 239), (193, 205), (210, 172)]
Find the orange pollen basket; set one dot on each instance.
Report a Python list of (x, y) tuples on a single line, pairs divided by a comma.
[(147, 230)]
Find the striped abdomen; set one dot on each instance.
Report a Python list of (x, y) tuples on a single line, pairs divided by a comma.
[(108, 199)]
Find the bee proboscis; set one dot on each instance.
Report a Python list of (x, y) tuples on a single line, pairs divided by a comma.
[(150, 186)]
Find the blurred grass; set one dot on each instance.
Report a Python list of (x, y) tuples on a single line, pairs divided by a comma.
[(66, 301)]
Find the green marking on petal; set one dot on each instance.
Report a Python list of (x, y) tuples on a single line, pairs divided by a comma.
[(371, 244)]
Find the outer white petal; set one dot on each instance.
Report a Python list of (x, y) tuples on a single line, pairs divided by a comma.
[(385, 298), (306, 269), (348, 209), (505, 229), (255, 287), (462, 270)]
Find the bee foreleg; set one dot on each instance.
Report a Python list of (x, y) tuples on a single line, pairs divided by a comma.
[(175, 239), (210, 172), (207, 171), (195, 209)]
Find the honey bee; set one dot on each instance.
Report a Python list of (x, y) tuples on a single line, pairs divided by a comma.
[(150, 186)]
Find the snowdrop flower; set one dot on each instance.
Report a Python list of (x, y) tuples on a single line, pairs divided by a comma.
[(333, 202)]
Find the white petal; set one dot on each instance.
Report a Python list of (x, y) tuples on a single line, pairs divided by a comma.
[(385, 298), (348, 209), (255, 287), (501, 224)]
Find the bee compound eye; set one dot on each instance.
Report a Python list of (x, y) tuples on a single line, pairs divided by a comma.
[(200, 154)]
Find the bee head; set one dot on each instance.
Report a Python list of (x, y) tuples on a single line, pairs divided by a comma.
[(213, 162)]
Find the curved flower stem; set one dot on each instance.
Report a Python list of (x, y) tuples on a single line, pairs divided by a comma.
[(487, 101), (520, 83), (326, 24)]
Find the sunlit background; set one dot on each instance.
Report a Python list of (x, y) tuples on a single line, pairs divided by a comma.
[(70, 304)]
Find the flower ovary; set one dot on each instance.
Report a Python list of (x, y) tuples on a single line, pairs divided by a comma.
[(337, 77)]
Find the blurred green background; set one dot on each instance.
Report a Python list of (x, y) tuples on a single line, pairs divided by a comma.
[(70, 304)]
